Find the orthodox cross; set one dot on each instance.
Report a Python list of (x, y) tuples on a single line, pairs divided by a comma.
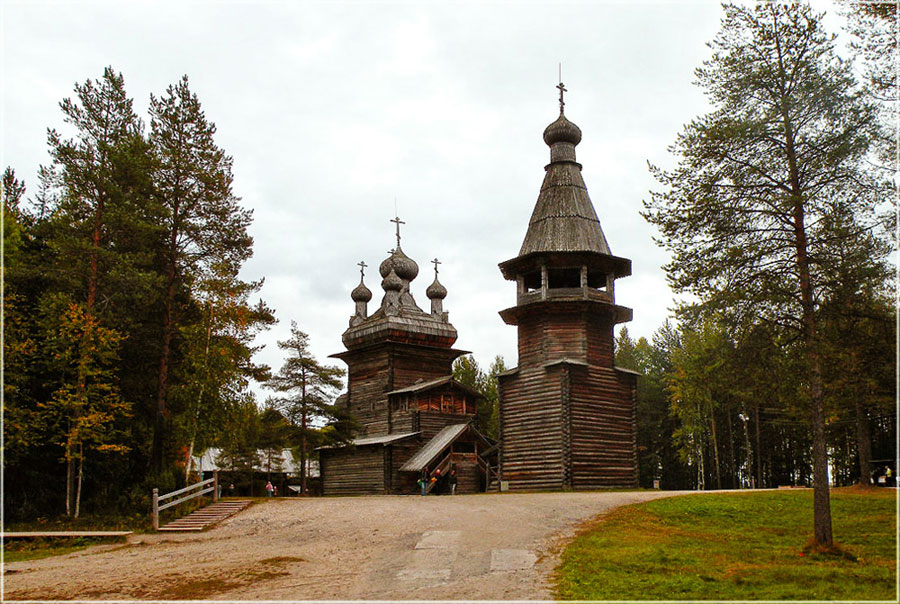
[(435, 262), (396, 220), (562, 103), (362, 269)]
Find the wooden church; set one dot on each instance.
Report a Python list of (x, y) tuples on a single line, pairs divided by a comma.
[(566, 412), (400, 388)]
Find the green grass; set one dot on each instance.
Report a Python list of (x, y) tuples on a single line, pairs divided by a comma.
[(16, 550), (735, 546)]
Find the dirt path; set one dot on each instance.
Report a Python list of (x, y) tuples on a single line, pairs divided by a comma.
[(373, 548)]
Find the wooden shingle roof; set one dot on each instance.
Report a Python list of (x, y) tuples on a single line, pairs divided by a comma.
[(563, 219)]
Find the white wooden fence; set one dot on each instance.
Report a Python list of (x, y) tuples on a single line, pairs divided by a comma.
[(214, 489)]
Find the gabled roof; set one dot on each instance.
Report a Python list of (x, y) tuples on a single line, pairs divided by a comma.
[(431, 384), (433, 448)]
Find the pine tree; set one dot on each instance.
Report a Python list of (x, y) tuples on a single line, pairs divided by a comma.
[(99, 221), (307, 389), (746, 212), (203, 223)]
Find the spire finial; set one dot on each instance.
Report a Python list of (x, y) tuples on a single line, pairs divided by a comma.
[(362, 269), (562, 102), (396, 220), (435, 262)]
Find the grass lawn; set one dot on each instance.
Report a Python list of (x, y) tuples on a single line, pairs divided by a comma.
[(16, 550), (735, 546)]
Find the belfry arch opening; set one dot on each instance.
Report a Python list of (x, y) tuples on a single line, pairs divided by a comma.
[(558, 278)]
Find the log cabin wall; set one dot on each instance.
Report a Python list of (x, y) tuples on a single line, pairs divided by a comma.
[(411, 364), (531, 430), (377, 370), (602, 429), (430, 422), (353, 471), (368, 381), (403, 483), (576, 334)]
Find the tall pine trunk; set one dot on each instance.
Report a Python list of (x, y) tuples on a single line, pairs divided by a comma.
[(715, 448), (821, 495), (80, 479), (83, 358), (70, 480), (165, 352)]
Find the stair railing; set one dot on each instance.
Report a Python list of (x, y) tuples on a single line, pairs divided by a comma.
[(213, 488)]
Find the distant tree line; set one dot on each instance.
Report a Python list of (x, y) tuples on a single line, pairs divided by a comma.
[(128, 332)]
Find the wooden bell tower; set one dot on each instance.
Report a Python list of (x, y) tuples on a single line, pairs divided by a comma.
[(567, 418)]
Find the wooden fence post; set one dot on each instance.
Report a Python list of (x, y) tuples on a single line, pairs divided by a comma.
[(215, 485), (155, 509)]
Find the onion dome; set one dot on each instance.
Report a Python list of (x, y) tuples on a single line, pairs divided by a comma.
[(436, 291), (562, 131), (405, 267), (361, 293), (392, 282)]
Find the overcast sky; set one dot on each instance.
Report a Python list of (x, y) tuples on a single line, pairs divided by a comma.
[(333, 110)]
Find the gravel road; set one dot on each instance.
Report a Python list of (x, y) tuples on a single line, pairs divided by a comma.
[(488, 546)]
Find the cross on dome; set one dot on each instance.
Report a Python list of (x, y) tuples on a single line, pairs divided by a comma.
[(562, 103), (396, 220), (435, 262), (362, 268)]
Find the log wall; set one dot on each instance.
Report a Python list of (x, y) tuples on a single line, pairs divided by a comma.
[(353, 470), (602, 429), (573, 333), (377, 370), (531, 430), (567, 425)]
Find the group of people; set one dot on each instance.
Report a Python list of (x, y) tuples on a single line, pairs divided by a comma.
[(883, 476), (442, 483), (271, 490)]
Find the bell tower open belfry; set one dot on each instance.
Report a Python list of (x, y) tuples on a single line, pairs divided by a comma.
[(567, 414)]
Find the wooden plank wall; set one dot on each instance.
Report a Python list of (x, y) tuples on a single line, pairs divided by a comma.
[(377, 370), (578, 334), (602, 429), (470, 478), (567, 426), (368, 381), (432, 422), (404, 483), (353, 471), (531, 430)]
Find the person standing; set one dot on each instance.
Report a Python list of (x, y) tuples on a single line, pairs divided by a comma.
[(423, 479), (438, 479), (269, 489), (453, 481)]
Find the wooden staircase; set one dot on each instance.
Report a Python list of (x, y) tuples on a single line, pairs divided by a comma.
[(207, 516)]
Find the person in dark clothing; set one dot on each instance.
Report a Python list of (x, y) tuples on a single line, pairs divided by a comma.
[(453, 479), (437, 478), (423, 479)]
